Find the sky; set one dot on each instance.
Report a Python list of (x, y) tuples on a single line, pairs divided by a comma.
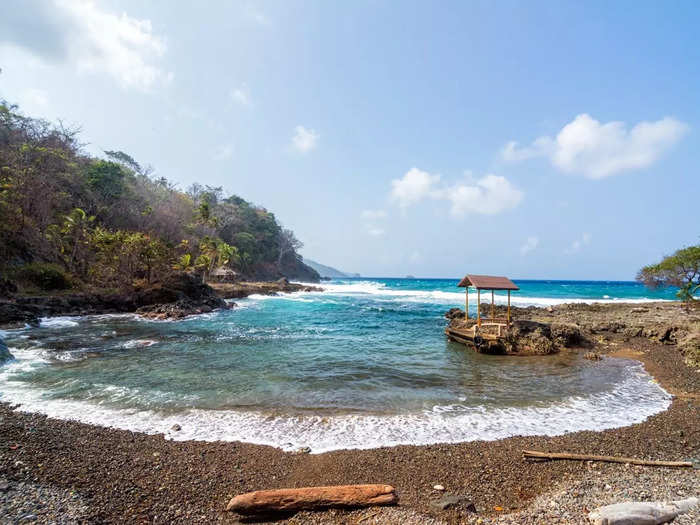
[(553, 140)]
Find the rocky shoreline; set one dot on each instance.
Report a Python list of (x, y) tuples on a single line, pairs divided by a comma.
[(176, 297), (69, 472)]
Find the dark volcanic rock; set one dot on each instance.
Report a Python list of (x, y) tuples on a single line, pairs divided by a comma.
[(454, 313), (565, 334), (244, 289), (5, 354), (7, 287), (15, 315), (530, 338)]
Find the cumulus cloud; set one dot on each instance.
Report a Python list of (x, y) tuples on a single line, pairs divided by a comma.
[(88, 38), (489, 195), (304, 140), (530, 244), (598, 150), (576, 246), (413, 187)]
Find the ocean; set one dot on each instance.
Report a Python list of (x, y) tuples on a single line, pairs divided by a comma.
[(363, 364)]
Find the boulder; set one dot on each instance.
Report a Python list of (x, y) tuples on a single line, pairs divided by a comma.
[(640, 513), (529, 338), (5, 354), (13, 314), (565, 334), (450, 501), (454, 313)]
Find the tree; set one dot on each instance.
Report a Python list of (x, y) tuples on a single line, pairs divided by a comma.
[(72, 240), (287, 243), (682, 269)]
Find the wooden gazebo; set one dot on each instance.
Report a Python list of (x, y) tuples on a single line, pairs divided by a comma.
[(487, 282)]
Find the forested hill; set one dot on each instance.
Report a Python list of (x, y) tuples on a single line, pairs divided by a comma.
[(68, 219)]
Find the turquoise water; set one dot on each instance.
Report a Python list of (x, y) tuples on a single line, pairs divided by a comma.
[(364, 363)]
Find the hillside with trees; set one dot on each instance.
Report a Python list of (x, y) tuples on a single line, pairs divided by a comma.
[(69, 220)]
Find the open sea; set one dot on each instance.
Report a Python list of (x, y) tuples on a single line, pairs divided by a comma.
[(363, 364)]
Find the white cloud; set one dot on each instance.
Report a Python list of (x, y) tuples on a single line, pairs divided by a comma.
[(413, 187), (241, 95), (376, 232), (88, 38), (373, 215), (598, 150), (304, 140), (579, 243), (223, 152), (530, 244), (489, 195)]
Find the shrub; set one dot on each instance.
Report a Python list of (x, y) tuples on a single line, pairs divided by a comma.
[(43, 276)]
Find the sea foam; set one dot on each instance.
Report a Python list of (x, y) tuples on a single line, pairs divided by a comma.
[(634, 399)]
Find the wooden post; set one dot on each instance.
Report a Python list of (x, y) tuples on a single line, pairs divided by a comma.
[(508, 307), (493, 314), (478, 306), (466, 304)]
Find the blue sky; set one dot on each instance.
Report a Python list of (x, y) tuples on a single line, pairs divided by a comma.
[(531, 139)]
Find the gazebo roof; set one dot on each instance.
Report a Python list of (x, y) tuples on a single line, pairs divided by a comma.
[(488, 282)]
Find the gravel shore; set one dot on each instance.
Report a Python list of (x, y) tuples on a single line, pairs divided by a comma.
[(54, 471)]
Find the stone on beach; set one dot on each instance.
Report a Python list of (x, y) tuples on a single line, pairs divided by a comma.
[(311, 498), (640, 513)]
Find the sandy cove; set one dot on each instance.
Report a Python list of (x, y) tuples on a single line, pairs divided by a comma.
[(53, 470)]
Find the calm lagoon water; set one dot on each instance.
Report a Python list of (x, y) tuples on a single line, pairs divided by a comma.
[(363, 364)]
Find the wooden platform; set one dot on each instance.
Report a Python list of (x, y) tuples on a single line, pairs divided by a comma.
[(476, 336)]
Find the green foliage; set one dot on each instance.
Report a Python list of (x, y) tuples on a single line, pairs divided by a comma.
[(108, 222), (682, 269), (44, 276), (106, 179), (184, 263)]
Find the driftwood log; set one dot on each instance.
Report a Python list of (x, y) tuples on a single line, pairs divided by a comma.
[(310, 498), (532, 454)]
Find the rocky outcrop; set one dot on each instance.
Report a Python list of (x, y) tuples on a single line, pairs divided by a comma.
[(454, 313), (587, 325), (244, 289), (529, 338), (184, 292), (5, 354)]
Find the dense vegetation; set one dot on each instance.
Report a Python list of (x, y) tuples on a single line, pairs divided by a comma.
[(682, 269), (68, 219)]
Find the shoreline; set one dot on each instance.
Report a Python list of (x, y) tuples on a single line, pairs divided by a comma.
[(120, 475), (174, 299)]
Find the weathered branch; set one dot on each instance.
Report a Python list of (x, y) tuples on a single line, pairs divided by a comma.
[(532, 454)]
